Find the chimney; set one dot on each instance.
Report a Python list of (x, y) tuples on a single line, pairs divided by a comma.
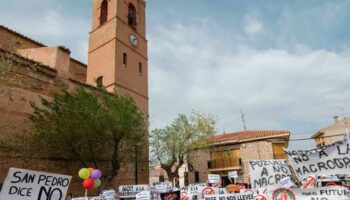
[(336, 119)]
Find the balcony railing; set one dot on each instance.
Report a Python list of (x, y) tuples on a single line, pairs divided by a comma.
[(224, 163)]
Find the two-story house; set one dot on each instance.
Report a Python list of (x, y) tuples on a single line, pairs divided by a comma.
[(333, 132), (231, 152)]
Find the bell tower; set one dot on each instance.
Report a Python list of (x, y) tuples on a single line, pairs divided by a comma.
[(118, 49), (117, 58)]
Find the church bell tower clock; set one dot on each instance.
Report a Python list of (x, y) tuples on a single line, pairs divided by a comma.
[(117, 55)]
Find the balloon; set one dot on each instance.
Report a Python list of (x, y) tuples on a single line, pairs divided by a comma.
[(84, 173), (96, 174), (97, 183), (90, 169), (88, 184)]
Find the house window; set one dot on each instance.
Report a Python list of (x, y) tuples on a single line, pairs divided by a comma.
[(125, 60), (186, 178), (278, 151), (140, 69), (196, 176), (99, 81), (104, 12), (132, 15), (320, 140), (161, 178)]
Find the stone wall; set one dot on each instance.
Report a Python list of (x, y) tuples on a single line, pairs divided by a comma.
[(259, 150), (199, 160)]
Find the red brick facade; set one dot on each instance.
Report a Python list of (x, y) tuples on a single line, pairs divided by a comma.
[(44, 69)]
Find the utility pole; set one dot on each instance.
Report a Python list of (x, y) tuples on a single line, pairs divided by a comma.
[(243, 119)]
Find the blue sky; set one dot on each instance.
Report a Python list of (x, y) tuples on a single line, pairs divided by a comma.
[(284, 62)]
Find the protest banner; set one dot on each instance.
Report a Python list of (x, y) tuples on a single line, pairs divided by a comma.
[(286, 182), (233, 174), (259, 197), (264, 173), (246, 191), (262, 191), (222, 191), (322, 193), (195, 189), (144, 195), (130, 191), (213, 178), (22, 184), (170, 195), (108, 195), (209, 191), (309, 182), (166, 183), (88, 198), (162, 186), (184, 196), (324, 161), (249, 196), (155, 195)]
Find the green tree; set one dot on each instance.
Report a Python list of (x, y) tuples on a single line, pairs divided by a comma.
[(169, 146), (95, 128)]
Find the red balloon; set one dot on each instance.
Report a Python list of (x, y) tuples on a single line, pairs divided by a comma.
[(88, 184)]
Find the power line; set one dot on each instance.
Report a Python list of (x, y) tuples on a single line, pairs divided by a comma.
[(299, 139)]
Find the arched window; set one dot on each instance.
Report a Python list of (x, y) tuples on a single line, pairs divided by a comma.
[(104, 12), (132, 16), (99, 82)]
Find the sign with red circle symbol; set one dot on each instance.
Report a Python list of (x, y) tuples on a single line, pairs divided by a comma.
[(310, 182), (259, 197), (214, 180), (245, 191), (331, 184), (218, 184), (283, 194), (207, 191), (184, 196)]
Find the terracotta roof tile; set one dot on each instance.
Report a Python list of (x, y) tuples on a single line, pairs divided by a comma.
[(248, 135)]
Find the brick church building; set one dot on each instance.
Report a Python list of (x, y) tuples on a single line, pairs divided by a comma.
[(117, 59)]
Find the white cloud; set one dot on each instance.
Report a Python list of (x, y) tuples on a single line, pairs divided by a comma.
[(52, 27), (191, 68), (196, 71), (252, 26)]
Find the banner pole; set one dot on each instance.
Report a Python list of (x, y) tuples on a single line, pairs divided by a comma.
[(347, 134), (293, 172), (86, 197)]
